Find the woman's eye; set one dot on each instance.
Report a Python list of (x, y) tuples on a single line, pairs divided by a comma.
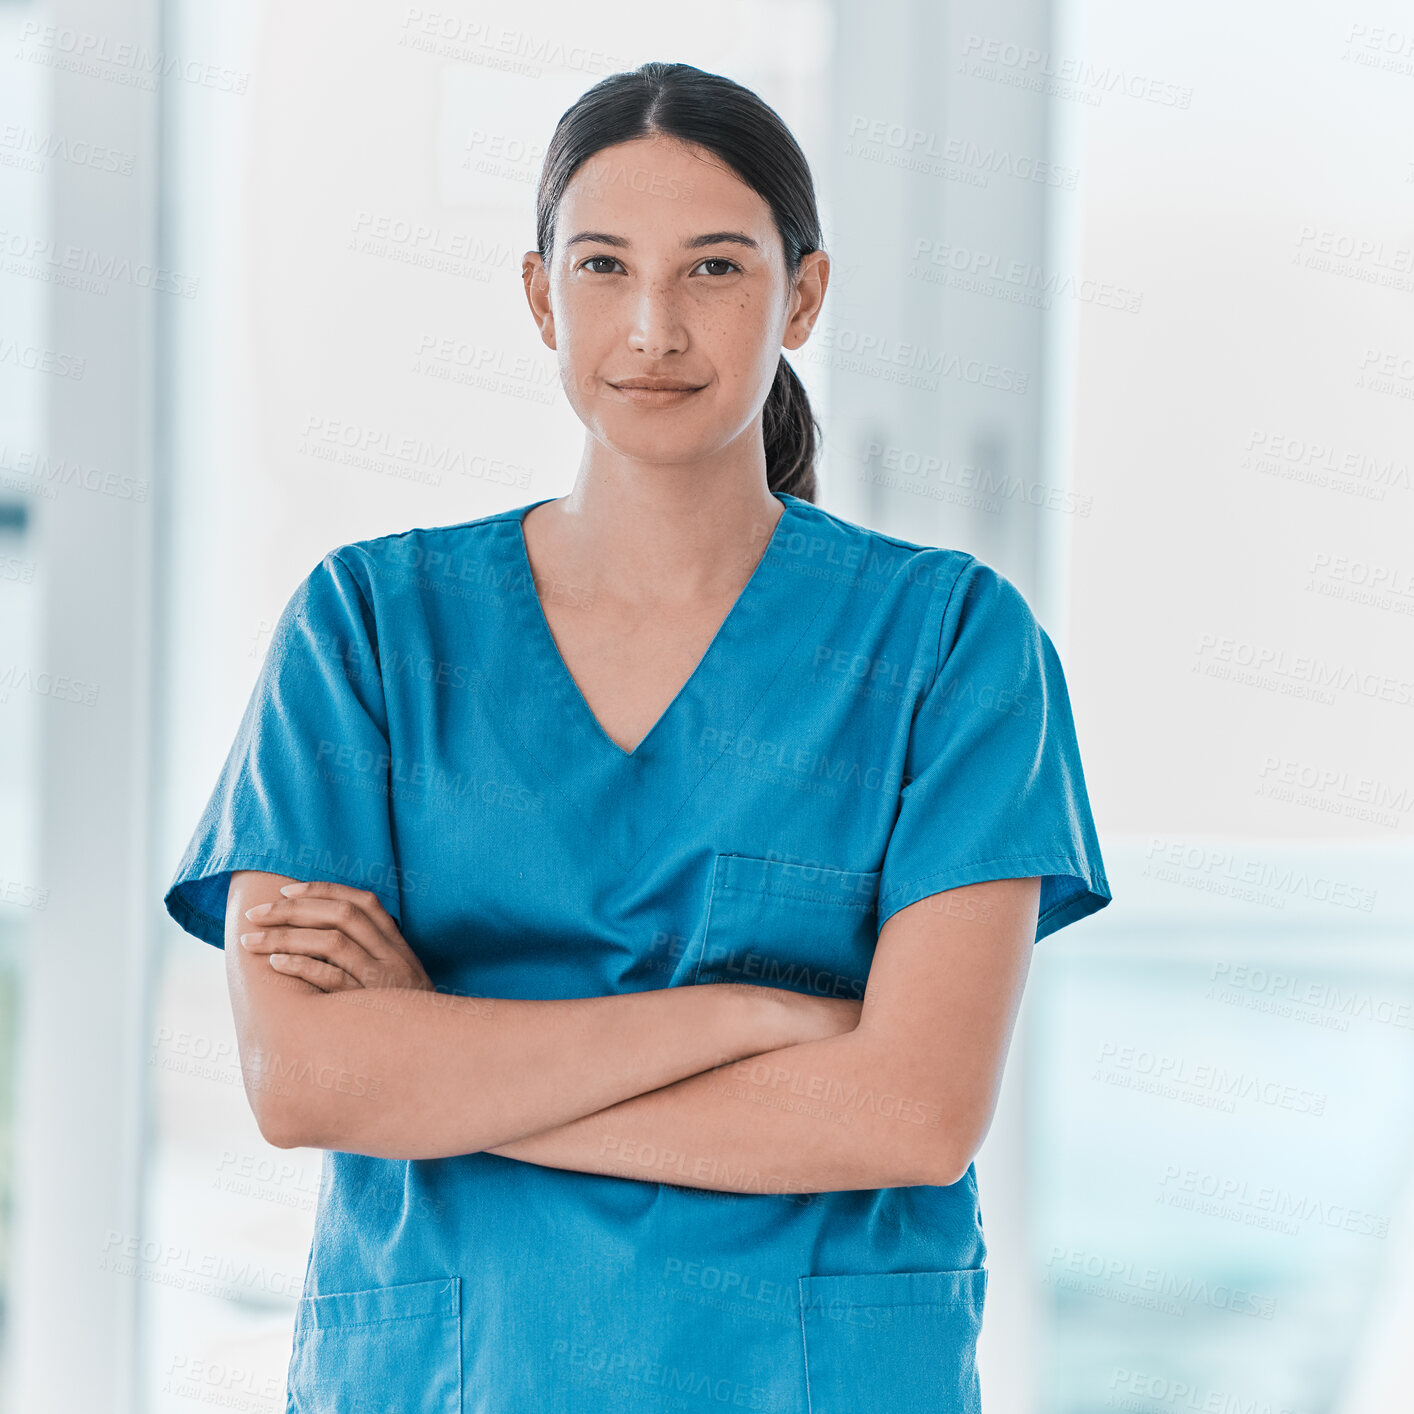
[(731, 267)]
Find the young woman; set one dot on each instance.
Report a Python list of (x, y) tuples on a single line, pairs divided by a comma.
[(670, 858)]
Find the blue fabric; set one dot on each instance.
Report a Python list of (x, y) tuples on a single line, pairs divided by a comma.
[(875, 721)]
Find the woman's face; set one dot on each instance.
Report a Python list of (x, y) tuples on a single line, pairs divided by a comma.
[(667, 268)]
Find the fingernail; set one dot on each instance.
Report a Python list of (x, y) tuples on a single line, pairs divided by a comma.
[(289, 890), (259, 911), (249, 938), (279, 959)]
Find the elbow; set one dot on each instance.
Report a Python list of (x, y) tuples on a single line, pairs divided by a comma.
[(310, 1118), (281, 1124), (935, 1132), (941, 1165), (280, 1132), (280, 1138), (945, 1153), (951, 1173), (293, 1090), (287, 1116)]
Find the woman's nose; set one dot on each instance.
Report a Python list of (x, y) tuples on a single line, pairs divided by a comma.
[(657, 326)]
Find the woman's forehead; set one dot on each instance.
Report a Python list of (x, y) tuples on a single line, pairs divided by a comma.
[(684, 191)]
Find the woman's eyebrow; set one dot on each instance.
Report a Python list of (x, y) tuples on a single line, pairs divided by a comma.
[(716, 237), (691, 243)]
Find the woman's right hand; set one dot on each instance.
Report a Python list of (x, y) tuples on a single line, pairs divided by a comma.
[(335, 937)]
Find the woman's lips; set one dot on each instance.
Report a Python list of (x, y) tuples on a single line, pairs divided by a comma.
[(655, 397)]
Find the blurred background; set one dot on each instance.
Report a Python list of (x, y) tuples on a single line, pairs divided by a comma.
[(1122, 303)]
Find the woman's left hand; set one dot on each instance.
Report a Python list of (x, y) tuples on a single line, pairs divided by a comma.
[(336, 937)]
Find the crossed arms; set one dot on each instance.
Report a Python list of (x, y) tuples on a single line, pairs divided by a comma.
[(724, 1086)]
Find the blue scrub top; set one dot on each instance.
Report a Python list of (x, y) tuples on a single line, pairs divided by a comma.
[(875, 721)]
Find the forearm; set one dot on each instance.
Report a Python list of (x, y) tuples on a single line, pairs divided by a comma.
[(408, 1074), (818, 1117)]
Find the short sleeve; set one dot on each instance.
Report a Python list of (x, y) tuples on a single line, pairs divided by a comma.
[(994, 787), (304, 789)]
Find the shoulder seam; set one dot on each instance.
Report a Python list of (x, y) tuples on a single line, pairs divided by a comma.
[(490, 518), (367, 604), (841, 523), (968, 559)]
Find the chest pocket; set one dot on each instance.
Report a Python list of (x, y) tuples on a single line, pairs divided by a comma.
[(801, 927)]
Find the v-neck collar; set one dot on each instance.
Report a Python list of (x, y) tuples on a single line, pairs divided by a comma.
[(543, 638), (626, 801)]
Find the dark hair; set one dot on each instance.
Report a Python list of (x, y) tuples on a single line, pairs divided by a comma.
[(712, 112)]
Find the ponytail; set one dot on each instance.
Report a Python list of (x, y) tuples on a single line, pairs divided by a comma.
[(790, 433)]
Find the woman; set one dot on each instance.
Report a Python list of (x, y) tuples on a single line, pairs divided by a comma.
[(545, 775)]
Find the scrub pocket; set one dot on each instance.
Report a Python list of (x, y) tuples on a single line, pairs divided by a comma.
[(893, 1342), (386, 1350), (801, 927)]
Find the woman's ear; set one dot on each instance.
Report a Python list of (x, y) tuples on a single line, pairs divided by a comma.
[(536, 280), (807, 296)]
